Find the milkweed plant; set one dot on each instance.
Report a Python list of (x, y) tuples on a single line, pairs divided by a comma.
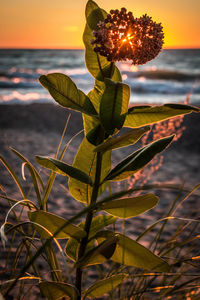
[(108, 38)]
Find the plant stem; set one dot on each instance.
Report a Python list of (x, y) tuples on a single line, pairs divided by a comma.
[(100, 68), (88, 222)]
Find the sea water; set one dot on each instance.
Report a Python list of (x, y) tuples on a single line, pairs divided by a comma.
[(171, 77)]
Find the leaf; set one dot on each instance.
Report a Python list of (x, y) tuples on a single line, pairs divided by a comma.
[(34, 174), (85, 160), (128, 138), (23, 158), (104, 286), (97, 65), (63, 169), (52, 223), (94, 13), (130, 207), (98, 223), (94, 135), (90, 122), (114, 105), (65, 92), (72, 248), (144, 115), (98, 254), (56, 290), (14, 176), (96, 93), (138, 159), (130, 253)]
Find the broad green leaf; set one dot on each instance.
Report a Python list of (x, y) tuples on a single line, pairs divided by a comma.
[(85, 160), (144, 115), (130, 207), (57, 290), (100, 253), (94, 135), (98, 222), (129, 252), (52, 223), (72, 248), (97, 65), (93, 13), (138, 159), (128, 138), (63, 169), (114, 105), (95, 95), (65, 92), (104, 286)]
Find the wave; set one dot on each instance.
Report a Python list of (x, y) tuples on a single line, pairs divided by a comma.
[(163, 75), (18, 85)]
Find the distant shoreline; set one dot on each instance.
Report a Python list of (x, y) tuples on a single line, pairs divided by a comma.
[(78, 49)]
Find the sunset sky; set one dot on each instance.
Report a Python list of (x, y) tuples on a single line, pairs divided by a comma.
[(60, 23)]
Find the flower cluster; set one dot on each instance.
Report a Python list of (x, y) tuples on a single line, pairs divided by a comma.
[(121, 36)]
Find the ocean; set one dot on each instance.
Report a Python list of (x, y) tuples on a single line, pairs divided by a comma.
[(171, 77)]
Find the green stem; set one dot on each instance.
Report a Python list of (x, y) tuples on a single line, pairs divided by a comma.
[(100, 68), (88, 222)]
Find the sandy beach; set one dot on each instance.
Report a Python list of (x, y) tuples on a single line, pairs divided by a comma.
[(36, 130)]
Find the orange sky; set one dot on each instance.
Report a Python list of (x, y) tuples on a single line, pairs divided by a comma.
[(60, 23)]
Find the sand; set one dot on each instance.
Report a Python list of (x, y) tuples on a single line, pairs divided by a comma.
[(36, 129)]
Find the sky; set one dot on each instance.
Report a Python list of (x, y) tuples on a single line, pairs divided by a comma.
[(60, 23)]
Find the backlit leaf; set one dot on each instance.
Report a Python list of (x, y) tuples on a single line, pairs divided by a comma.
[(130, 207), (129, 252), (98, 222), (114, 105), (57, 290), (52, 223), (71, 249), (97, 65), (144, 115), (138, 159), (104, 286), (65, 92), (128, 138), (90, 122), (94, 135), (100, 253), (85, 161), (63, 169)]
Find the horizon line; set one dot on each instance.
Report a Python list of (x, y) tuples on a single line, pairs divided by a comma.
[(82, 48)]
